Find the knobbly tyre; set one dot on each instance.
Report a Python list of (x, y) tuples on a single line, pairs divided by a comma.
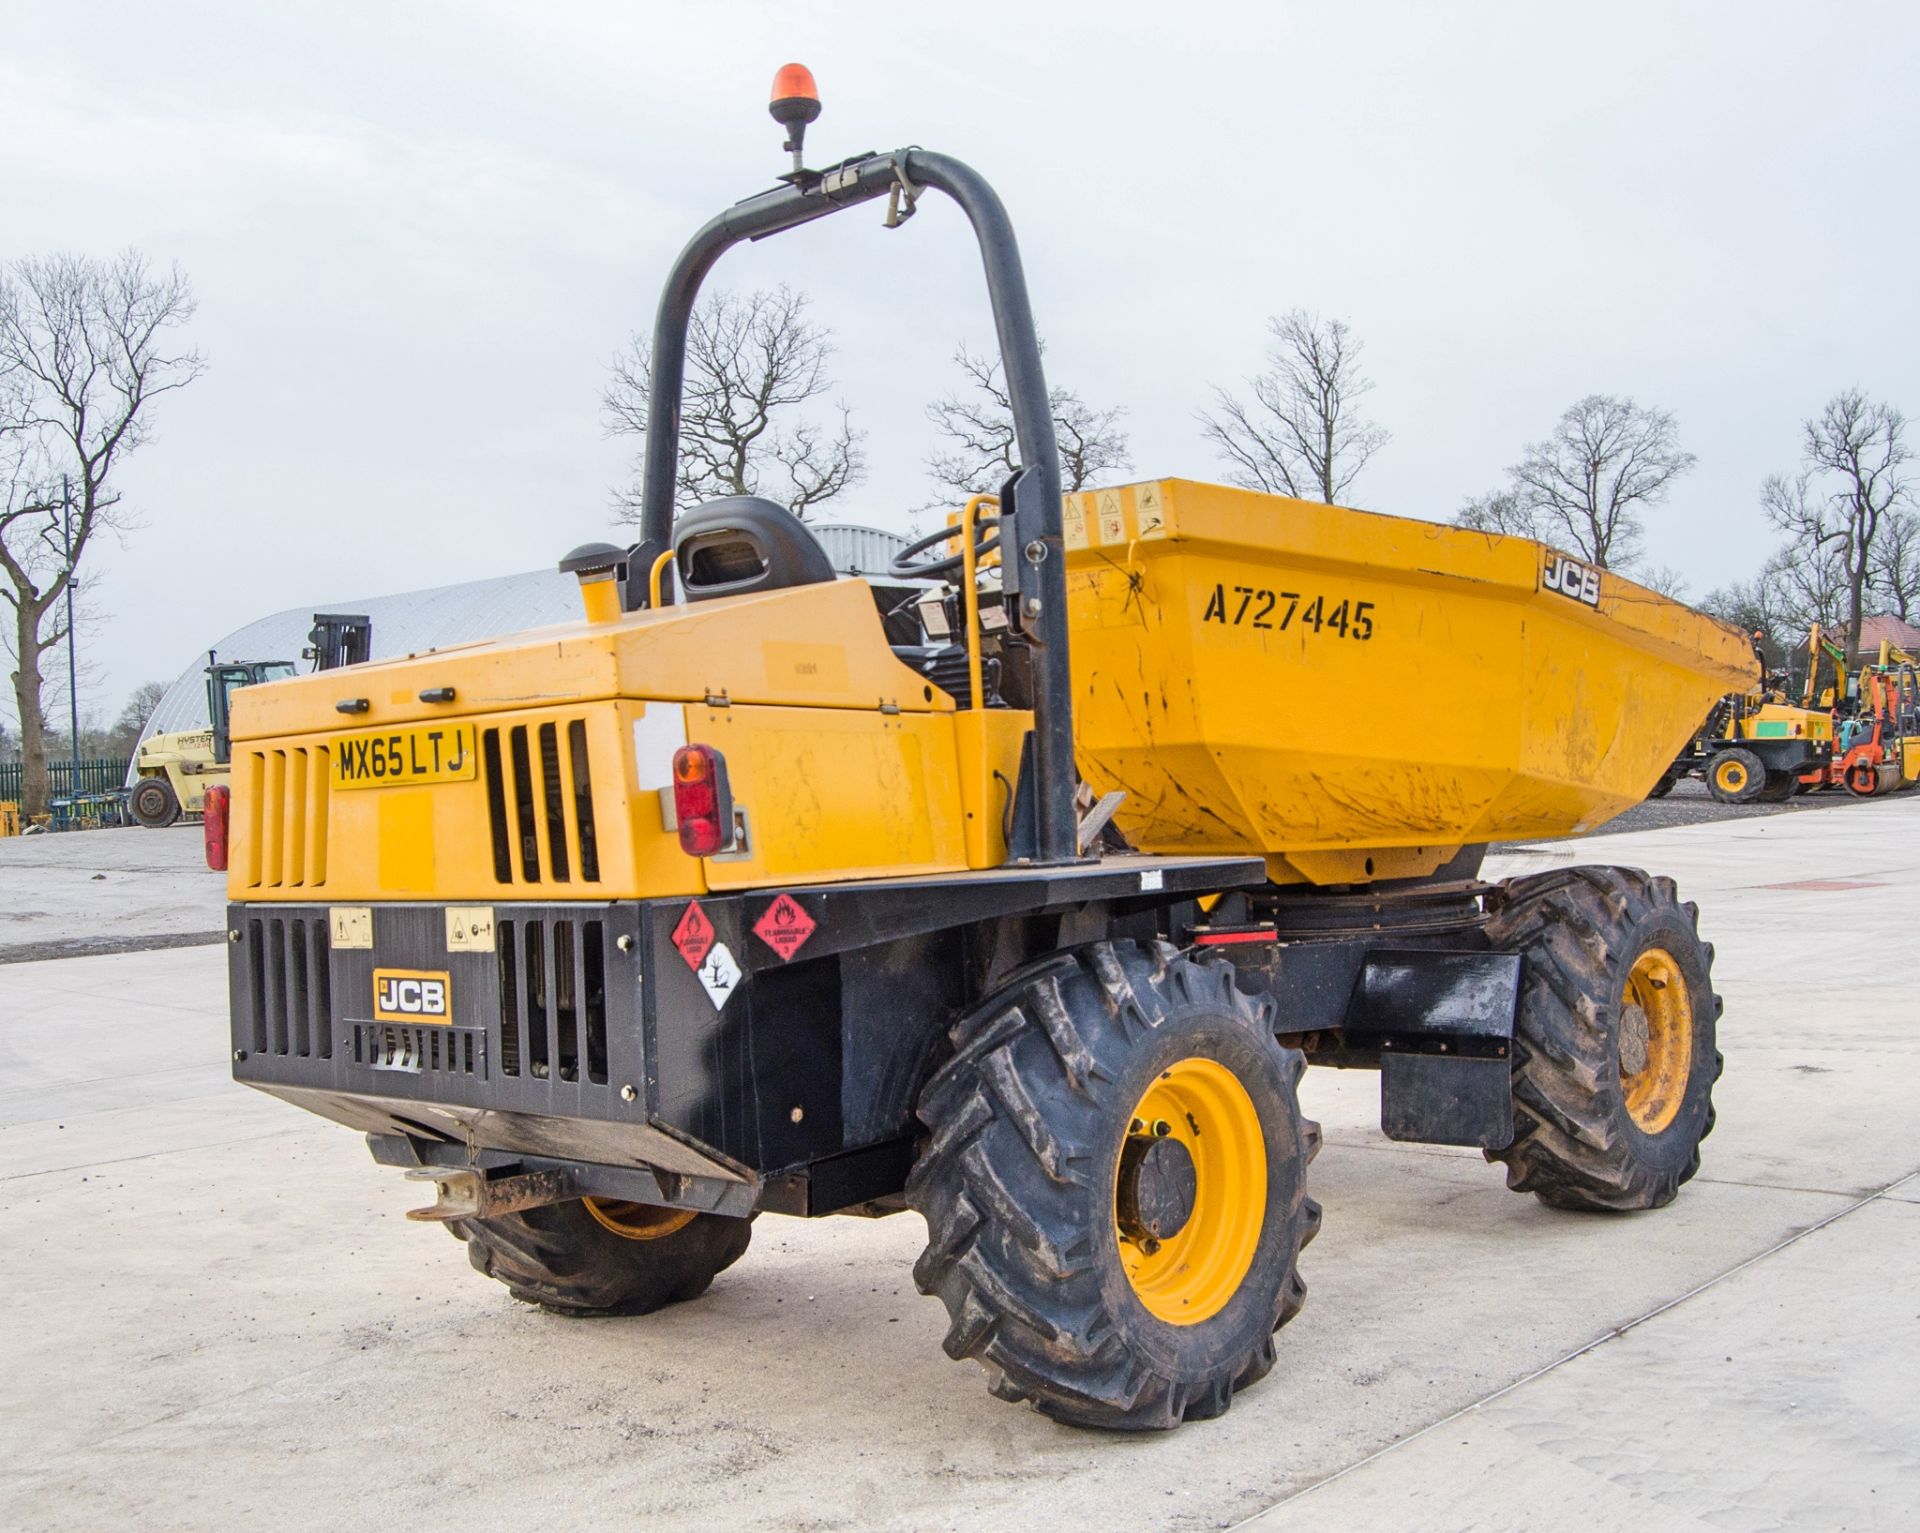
[(729, 900)]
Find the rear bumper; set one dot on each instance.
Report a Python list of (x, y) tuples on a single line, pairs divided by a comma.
[(594, 1038), (543, 1051)]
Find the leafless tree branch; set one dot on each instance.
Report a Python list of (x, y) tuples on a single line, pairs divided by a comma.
[(83, 357), (976, 421), (753, 363), (1302, 434)]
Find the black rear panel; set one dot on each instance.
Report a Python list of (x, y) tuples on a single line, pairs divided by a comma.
[(547, 1022)]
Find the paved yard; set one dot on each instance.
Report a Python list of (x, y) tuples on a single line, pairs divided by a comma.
[(220, 1319)]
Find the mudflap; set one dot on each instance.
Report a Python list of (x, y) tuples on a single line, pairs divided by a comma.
[(1443, 1025)]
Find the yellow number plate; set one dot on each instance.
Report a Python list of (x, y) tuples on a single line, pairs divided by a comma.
[(400, 758)]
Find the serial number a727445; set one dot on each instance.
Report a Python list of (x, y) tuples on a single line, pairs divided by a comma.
[(1255, 607), (427, 753)]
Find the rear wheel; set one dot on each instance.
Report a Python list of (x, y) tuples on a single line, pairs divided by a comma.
[(1613, 1057), (1780, 786), (1735, 776), (152, 803), (595, 1256), (1114, 1187)]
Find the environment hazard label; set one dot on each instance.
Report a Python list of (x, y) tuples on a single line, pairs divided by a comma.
[(785, 926), (694, 936), (718, 974)]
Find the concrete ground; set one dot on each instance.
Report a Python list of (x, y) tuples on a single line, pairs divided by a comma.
[(107, 891), (220, 1319)]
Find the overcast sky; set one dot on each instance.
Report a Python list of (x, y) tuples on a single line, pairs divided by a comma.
[(418, 233)]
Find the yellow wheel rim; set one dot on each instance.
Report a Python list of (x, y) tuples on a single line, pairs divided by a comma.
[(1191, 1274), (1731, 776), (1656, 1040), (637, 1221)]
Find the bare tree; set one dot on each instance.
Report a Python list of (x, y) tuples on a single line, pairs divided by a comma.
[(977, 419), (1663, 578), (84, 352), (1855, 450), (1755, 607), (1302, 433), (1587, 485), (1895, 576), (125, 733), (753, 362), (1499, 511)]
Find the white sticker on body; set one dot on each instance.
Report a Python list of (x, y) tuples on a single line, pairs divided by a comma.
[(350, 926), (657, 734), (470, 929), (718, 974), (1152, 879)]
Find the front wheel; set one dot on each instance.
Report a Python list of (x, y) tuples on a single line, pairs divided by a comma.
[(1736, 776), (1614, 1055), (152, 803), (1114, 1187)]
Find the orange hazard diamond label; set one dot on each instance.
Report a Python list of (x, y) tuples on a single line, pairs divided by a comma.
[(694, 935), (785, 926)]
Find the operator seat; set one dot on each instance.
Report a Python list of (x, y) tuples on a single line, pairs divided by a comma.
[(742, 543)]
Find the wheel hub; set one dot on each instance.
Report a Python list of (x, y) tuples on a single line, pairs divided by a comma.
[(1194, 1168), (1656, 1040), (1155, 1194), (1633, 1039)]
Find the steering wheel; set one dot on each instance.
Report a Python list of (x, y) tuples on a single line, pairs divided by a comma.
[(902, 567)]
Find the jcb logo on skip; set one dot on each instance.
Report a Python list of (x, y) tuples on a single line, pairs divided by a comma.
[(1571, 578), (409, 995)]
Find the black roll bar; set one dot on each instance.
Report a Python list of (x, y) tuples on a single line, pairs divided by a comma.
[(1033, 553)]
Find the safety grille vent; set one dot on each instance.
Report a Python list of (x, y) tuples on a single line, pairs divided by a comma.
[(292, 992), (287, 795), (553, 999), (540, 803), (420, 1050)]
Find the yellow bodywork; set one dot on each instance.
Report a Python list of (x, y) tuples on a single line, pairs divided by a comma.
[(1782, 721), (1357, 696), (1350, 696), (846, 763)]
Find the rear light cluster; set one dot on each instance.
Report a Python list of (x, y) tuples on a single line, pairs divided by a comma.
[(702, 801), (216, 815)]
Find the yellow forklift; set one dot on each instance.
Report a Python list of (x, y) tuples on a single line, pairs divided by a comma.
[(723, 902)]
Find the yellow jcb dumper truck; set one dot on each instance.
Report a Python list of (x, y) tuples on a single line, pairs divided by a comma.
[(716, 904)]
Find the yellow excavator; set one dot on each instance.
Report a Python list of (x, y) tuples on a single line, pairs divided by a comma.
[(722, 902)]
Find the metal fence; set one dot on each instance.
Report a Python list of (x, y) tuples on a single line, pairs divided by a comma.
[(102, 774)]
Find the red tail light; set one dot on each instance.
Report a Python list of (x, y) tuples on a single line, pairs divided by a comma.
[(213, 826), (702, 801)]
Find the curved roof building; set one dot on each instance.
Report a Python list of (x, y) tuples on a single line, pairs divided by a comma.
[(414, 621)]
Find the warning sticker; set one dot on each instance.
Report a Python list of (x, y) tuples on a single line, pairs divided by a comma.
[(1073, 509), (469, 928), (694, 936), (718, 975), (1112, 526), (1152, 515), (785, 926)]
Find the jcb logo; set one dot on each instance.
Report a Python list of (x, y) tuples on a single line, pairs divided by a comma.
[(1571, 578), (410, 995)]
